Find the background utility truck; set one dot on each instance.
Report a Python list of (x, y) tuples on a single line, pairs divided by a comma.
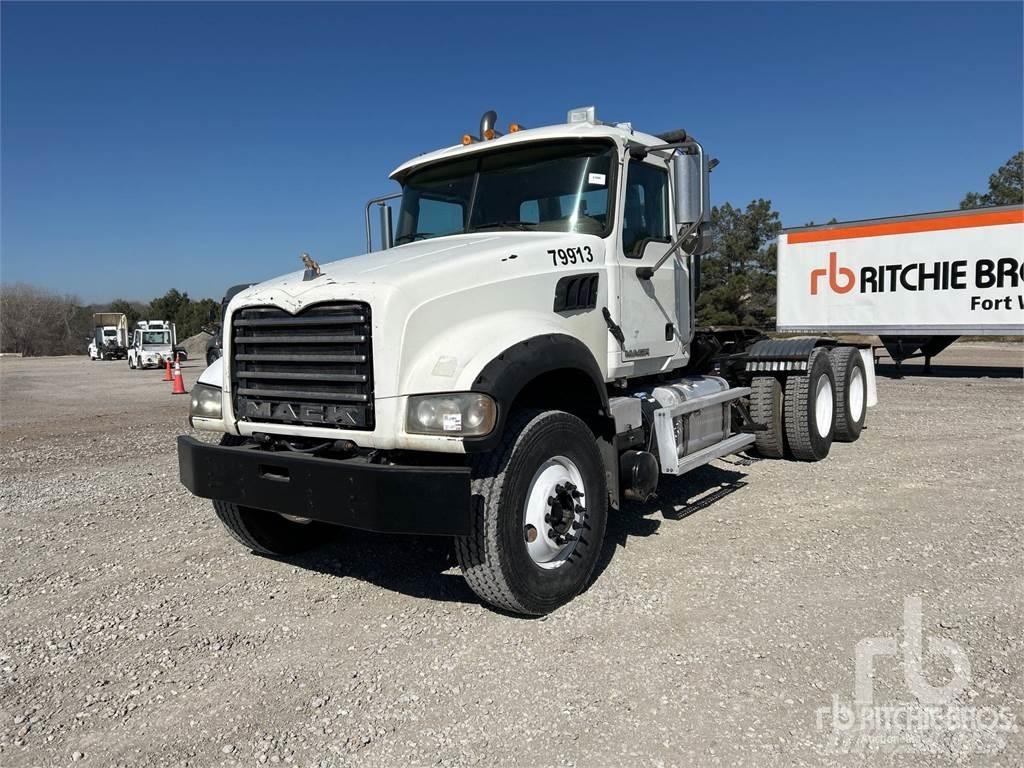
[(918, 282), (519, 358), (110, 336), (152, 344)]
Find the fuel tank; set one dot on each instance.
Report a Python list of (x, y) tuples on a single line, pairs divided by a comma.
[(702, 428)]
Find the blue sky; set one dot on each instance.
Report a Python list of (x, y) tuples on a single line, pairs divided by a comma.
[(149, 146)]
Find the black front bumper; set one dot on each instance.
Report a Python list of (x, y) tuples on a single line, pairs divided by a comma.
[(350, 492)]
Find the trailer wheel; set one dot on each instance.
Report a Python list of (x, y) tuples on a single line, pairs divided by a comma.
[(267, 533), (766, 408), (809, 409), (542, 509), (851, 393)]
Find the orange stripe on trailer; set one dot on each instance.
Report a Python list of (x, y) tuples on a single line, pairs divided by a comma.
[(906, 227)]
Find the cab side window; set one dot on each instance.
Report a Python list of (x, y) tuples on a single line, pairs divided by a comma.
[(645, 212)]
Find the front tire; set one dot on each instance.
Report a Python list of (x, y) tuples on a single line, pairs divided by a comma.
[(543, 508), (809, 409), (267, 533)]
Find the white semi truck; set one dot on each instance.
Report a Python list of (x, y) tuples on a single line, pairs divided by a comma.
[(517, 359), (918, 282), (110, 336)]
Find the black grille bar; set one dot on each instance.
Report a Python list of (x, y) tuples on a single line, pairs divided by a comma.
[(291, 322), (295, 338), (313, 369)]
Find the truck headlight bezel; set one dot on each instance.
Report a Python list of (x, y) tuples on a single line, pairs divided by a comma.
[(451, 414), (206, 402)]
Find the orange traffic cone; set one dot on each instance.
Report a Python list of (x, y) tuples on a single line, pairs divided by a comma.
[(167, 371), (179, 383)]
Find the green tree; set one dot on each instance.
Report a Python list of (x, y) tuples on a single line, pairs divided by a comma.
[(170, 306), (132, 311), (738, 273), (1005, 186)]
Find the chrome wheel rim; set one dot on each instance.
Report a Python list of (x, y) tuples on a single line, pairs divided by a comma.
[(555, 511)]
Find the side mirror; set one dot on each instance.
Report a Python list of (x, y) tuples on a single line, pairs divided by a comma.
[(386, 225)]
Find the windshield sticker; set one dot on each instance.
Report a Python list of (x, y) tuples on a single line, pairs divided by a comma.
[(596, 178)]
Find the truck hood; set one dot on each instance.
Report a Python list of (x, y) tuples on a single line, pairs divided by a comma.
[(456, 256)]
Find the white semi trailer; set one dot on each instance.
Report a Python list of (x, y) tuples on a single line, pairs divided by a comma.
[(918, 282), (519, 358)]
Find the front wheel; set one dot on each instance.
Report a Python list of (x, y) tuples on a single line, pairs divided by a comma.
[(268, 533), (543, 507)]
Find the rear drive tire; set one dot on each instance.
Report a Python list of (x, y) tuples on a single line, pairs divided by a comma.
[(766, 408), (513, 558), (267, 533), (851, 393), (131, 365), (809, 409)]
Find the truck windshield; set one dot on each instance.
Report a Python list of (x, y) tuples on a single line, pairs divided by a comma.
[(551, 187), (156, 337)]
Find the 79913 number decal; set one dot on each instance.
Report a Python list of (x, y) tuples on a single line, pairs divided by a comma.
[(567, 256)]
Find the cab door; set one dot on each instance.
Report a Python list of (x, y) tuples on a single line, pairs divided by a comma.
[(648, 309)]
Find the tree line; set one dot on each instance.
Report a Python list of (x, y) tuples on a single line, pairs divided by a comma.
[(39, 322), (738, 277)]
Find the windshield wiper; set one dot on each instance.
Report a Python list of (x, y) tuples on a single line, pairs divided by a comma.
[(412, 236), (526, 226)]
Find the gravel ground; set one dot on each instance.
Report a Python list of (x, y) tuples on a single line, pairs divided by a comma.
[(134, 631)]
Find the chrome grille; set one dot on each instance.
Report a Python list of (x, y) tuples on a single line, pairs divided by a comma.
[(314, 368)]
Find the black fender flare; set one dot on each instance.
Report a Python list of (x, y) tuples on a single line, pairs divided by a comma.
[(505, 377)]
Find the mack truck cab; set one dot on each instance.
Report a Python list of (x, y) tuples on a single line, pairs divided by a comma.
[(516, 358)]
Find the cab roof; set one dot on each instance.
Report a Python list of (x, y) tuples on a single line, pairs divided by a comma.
[(621, 134)]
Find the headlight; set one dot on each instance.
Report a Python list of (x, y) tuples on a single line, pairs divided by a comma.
[(462, 414), (205, 402)]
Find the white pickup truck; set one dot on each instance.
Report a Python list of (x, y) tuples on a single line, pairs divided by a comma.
[(518, 358)]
